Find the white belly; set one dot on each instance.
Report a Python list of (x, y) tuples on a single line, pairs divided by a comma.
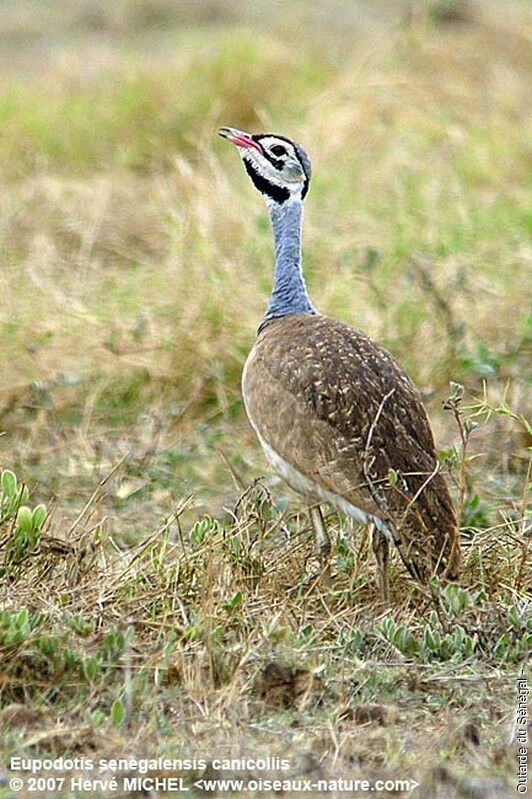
[(304, 485), (311, 490)]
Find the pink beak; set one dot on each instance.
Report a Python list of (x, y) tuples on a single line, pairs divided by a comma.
[(239, 138)]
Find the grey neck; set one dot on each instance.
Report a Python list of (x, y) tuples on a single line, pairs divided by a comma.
[(289, 294)]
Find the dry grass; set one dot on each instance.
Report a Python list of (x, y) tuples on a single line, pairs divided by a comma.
[(207, 640), (136, 266)]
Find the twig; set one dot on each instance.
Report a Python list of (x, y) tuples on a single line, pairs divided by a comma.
[(94, 496)]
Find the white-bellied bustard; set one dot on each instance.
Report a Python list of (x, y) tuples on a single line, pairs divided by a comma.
[(337, 417)]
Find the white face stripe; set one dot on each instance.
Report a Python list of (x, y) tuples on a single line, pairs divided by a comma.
[(270, 141), (290, 178), (270, 173)]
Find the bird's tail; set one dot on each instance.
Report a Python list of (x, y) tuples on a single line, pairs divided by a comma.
[(428, 539)]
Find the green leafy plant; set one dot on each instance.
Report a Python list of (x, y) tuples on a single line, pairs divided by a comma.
[(118, 713), (26, 523), (12, 495), (201, 529), (15, 626)]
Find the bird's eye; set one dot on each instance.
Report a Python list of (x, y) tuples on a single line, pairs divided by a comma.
[(278, 149)]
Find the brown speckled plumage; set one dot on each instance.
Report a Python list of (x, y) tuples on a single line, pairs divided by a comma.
[(338, 408)]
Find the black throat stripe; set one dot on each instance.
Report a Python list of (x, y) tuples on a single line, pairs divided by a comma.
[(277, 193)]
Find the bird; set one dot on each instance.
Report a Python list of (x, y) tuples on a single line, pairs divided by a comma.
[(337, 417)]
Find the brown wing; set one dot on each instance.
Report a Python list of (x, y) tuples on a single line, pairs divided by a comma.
[(339, 408)]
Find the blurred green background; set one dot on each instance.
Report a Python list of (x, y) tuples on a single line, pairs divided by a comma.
[(136, 258)]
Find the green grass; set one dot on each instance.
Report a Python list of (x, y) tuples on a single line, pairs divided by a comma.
[(136, 265)]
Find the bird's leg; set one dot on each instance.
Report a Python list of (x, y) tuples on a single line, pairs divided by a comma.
[(322, 550), (381, 550), (321, 539)]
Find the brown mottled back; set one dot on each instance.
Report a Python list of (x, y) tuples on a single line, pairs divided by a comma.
[(338, 408)]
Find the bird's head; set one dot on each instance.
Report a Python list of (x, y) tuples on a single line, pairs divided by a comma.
[(279, 167)]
